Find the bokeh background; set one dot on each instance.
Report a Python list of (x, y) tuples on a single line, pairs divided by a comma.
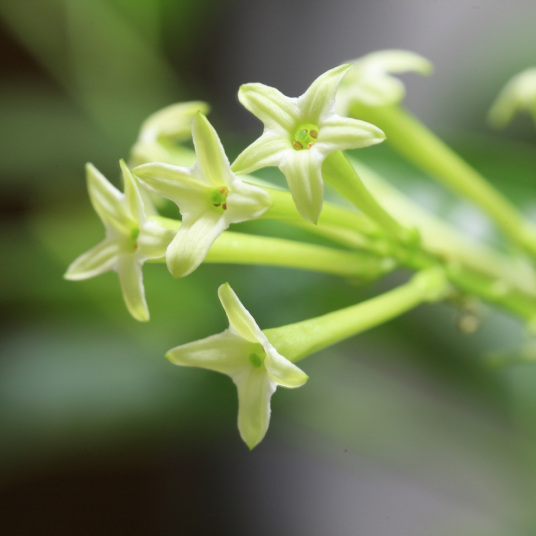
[(406, 430)]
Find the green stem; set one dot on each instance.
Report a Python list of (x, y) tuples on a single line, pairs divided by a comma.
[(283, 208), (446, 243), (241, 248), (419, 145), (296, 341), (495, 291), (340, 173)]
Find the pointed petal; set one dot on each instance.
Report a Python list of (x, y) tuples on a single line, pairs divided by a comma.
[(225, 352), (192, 242), (281, 371), (240, 320), (304, 177), (273, 108), (267, 151), (173, 121), (377, 90), (517, 95), (108, 201), (98, 260), (394, 61), (371, 82), (154, 240), (212, 161), (254, 393), (246, 202), (131, 281), (132, 193), (319, 100), (340, 133), (177, 184)]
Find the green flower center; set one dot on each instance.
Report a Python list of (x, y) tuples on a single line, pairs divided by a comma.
[(134, 237), (256, 359), (218, 197), (305, 137)]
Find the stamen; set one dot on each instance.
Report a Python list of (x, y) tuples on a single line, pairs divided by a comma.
[(134, 237), (305, 137), (219, 197), (256, 360)]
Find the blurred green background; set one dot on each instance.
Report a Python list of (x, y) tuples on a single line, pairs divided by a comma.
[(402, 431)]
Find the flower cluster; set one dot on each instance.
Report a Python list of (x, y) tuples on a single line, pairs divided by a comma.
[(305, 138), (299, 134)]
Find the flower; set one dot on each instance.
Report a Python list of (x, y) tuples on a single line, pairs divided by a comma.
[(371, 83), (299, 133), (244, 353), (131, 239), (518, 94), (209, 196), (161, 132)]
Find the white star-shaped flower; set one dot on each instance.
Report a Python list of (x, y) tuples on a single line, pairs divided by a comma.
[(244, 353), (299, 133), (210, 197), (131, 239), (371, 83)]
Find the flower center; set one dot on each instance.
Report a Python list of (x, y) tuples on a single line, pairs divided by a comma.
[(219, 197), (305, 137), (256, 360), (134, 237)]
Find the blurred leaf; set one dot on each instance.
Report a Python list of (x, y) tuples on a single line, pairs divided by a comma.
[(113, 71)]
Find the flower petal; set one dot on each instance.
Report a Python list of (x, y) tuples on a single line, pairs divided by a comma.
[(319, 100), (340, 133), (240, 320), (225, 352), (246, 202), (254, 393), (281, 371), (303, 172), (173, 121), (377, 90), (177, 184), (273, 108), (131, 281), (192, 242), (132, 193), (394, 61), (212, 162), (517, 95), (98, 260), (107, 201), (154, 240), (267, 151), (371, 83)]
